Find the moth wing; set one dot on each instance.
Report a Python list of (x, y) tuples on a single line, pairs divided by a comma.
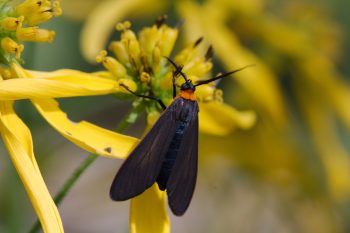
[(182, 180), (141, 168)]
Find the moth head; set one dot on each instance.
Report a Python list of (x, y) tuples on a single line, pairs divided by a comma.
[(187, 85)]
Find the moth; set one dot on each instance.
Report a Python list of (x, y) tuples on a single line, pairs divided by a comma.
[(168, 154)]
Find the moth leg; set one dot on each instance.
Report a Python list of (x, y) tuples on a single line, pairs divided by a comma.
[(176, 72), (145, 96)]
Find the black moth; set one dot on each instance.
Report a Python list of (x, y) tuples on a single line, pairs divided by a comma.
[(168, 154)]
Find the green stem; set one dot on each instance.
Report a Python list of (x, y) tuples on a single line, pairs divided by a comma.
[(129, 119)]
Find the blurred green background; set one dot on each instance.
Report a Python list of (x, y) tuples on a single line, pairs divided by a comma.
[(278, 177)]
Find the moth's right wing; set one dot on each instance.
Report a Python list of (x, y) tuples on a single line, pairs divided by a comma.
[(141, 168), (182, 181)]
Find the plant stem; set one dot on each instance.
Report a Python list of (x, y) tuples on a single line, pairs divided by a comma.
[(129, 119)]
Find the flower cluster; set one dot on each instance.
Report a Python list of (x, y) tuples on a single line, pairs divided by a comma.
[(20, 23), (140, 63)]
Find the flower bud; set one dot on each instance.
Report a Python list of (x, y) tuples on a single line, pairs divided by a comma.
[(11, 46), (11, 23), (35, 34)]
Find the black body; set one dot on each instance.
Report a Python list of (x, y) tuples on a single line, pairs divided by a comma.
[(168, 155)]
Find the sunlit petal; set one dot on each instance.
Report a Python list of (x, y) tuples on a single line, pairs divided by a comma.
[(18, 141), (88, 136), (148, 212), (63, 85), (221, 119), (55, 73)]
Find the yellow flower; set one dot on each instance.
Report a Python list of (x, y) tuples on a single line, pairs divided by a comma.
[(35, 34), (40, 87), (67, 83), (113, 11), (30, 8), (141, 60), (15, 17), (17, 137), (11, 23), (11, 46)]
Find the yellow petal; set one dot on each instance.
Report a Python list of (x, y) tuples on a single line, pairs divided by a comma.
[(18, 141), (105, 16), (221, 119), (55, 73), (68, 85), (24, 73), (148, 212), (104, 74), (88, 136), (86, 79)]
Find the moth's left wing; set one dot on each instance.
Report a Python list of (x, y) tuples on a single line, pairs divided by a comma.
[(142, 167)]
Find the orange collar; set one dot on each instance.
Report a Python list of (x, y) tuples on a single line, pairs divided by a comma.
[(187, 95)]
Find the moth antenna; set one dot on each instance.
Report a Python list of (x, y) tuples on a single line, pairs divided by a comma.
[(178, 69), (221, 76)]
